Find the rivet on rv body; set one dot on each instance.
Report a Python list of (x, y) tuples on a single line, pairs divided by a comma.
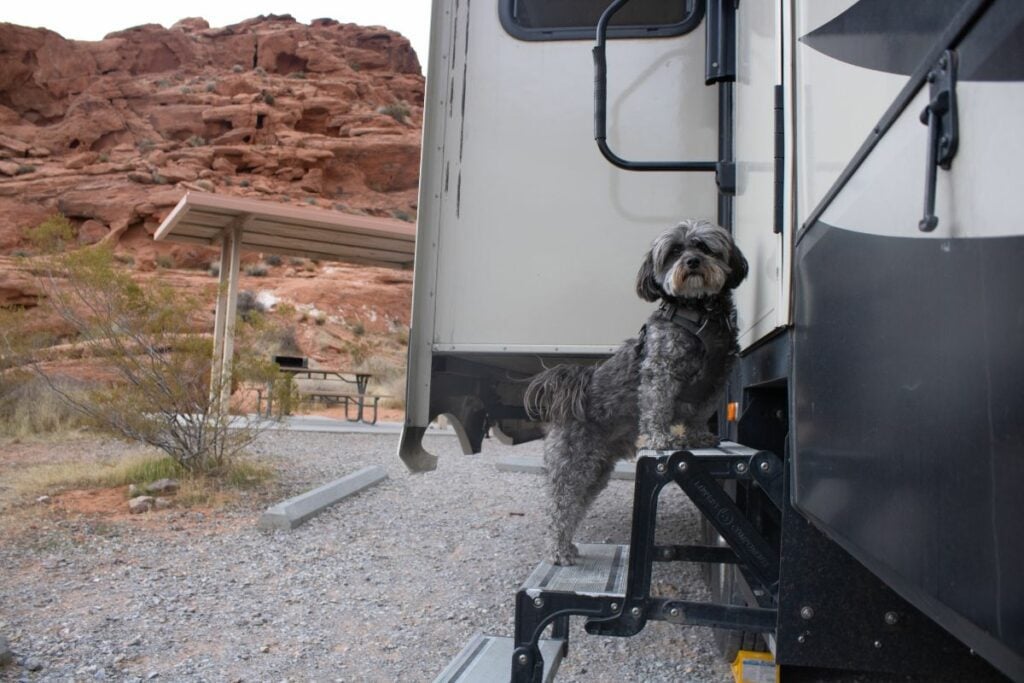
[(636, 612), (801, 639), (538, 602), (878, 645), (674, 612), (614, 607), (661, 468), (806, 612), (765, 465), (682, 466), (714, 65), (523, 659), (891, 618), (741, 467)]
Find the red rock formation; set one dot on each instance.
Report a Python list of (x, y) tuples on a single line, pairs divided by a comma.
[(111, 133)]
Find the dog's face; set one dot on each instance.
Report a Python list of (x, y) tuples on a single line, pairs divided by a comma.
[(692, 260)]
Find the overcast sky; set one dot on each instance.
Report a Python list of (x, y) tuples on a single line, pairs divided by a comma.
[(84, 20)]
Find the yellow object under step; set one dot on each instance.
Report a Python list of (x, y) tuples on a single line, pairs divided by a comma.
[(755, 667)]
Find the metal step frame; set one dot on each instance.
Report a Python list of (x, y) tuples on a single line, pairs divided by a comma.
[(611, 585)]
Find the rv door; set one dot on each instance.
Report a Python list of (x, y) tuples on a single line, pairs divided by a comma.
[(528, 240)]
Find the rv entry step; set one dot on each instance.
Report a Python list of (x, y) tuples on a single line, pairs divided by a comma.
[(489, 658)]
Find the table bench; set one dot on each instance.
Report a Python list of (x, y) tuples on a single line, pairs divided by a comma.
[(360, 402)]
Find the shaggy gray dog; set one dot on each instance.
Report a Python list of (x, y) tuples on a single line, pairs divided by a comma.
[(657, 391)]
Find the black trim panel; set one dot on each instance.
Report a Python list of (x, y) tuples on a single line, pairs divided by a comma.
[(908, 418), (894, 37)]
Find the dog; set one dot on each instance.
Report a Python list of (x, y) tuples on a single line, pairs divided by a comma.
[(657, 391)]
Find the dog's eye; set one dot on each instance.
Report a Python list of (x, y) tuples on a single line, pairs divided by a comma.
[(674, 252), (703, 248)]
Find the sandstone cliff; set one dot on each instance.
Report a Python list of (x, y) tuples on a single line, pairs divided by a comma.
[(112, 133)]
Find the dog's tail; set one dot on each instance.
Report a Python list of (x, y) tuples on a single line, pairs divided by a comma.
[(559, 394)]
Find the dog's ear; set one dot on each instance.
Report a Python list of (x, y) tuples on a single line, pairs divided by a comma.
[(737, 268), (646, 286)]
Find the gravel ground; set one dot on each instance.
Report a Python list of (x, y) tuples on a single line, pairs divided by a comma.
[(386, 586)]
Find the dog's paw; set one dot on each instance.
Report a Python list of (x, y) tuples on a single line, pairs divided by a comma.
[(566, 556), (701, 440)]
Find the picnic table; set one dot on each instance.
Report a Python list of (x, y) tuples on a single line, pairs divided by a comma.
[(358, 400)]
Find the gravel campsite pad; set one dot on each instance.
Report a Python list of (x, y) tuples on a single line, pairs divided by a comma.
[(388, 585)]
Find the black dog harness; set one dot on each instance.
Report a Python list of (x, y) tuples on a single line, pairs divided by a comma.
[(695, 323)]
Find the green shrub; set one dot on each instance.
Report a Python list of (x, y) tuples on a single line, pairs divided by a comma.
[(53, 234), (399, 112)]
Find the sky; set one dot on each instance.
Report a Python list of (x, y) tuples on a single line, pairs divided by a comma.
[(82, 20)]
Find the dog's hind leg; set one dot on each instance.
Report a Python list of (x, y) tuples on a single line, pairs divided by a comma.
[(579, 466)]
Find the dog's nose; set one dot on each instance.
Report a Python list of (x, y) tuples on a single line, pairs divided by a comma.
[(693, 262)]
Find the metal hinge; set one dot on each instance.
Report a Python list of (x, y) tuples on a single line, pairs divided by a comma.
[(943, 130)]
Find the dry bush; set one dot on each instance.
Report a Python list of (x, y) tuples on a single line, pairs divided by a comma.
[(146, 337)]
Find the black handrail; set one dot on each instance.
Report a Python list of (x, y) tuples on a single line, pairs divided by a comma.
[(601, 105)]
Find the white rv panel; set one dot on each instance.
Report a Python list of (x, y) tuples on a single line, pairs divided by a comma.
[(838, 105), (539, 238), (762, 302)]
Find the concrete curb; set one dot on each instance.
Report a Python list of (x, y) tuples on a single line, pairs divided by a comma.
[(534, 464), (294, 511)]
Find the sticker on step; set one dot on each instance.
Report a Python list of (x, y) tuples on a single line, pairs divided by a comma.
[(755, 667)]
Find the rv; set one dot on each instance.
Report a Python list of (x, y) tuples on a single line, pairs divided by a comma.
[(864, 511)]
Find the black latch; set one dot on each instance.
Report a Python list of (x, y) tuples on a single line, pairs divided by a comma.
[(943, 130)]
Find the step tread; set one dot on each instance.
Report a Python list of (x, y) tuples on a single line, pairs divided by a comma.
[(726, 448), (599, 570), (488, 658)]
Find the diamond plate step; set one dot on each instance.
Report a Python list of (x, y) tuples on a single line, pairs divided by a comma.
[(488, 659), (599, 570), (724, 449)]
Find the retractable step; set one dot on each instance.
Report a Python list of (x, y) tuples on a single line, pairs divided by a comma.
[(488, 658), (599, 570)]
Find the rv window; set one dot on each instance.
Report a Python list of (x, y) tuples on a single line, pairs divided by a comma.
[(577, 19)]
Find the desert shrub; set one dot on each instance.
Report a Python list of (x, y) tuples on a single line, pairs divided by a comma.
[(268, 98), (247, 305), (164, 261), (185, 90), (399, 112), (273, 260), (256, 270), (146, 145), (244, 182), (159, 179), (260, 71), (214, 269), (52, 234), (237, 68), (311, 200), (103, 158), (358, 328), (196, 141), (29, 407), (211, 86), (297, 74), (165, 393)]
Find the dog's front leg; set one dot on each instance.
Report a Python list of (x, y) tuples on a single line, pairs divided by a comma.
[(656, 398)]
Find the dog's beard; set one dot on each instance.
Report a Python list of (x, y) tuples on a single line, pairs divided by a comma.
[(707, 280)]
